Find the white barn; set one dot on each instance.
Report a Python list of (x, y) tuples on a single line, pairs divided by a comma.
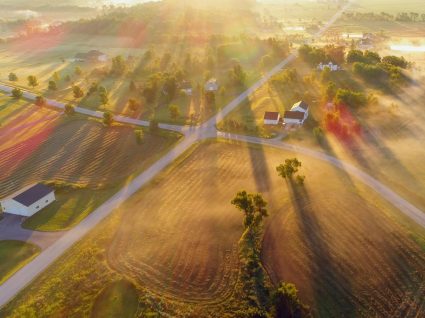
[(271, 118), (211, 85), (28, 201), (293, 118), (297, 115)]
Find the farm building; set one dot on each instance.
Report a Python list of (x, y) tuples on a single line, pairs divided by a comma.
[(186, 87), (28, 201), (211, 85), (330, 65), (293, 118), (271, 118), (93, 55), (300, 107)]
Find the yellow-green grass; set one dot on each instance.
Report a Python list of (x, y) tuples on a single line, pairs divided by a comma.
[(348, 251), (13, 256), (70, 207), (118, 300)]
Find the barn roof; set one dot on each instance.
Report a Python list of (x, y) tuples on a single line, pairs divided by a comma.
[(301, 104), (32, 194), (271, 115), (294, 115)]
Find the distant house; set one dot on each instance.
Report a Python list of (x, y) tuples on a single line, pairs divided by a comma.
[(186, 87), (29, 200), (93, 55), (332, 67), (297, 115), (211, 85), (271, 118), (293, 118)]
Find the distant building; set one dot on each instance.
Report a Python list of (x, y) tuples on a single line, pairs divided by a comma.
[(271, 118), (93, 55), (211, 85), (186, 87), (332, 67), (28, 201)]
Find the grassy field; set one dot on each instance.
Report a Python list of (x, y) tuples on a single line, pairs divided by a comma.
[(14, 255), (70, 207), (118, 299), (347, 250)]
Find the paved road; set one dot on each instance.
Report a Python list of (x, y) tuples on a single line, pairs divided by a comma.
[(192, 135), (404, 206)]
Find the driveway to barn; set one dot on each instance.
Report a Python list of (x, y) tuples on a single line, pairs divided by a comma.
[(193, 135), (10, 229)]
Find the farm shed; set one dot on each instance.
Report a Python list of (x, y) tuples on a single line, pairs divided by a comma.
[(271, 118), (28, 201)]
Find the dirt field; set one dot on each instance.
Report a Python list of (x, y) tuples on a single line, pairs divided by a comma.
[(48, 146), (346, 249)]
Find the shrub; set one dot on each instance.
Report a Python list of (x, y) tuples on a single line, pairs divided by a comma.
[(69, 109), (108, 118), (52, 86), (13, 77), (40, 101), (17, 93), (139, 136)]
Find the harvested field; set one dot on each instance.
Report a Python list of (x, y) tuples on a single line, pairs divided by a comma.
[(47, 146), (328, 238), (348, 251)]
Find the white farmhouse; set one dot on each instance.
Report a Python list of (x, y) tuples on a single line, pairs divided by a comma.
[(330, 65), (211, 85), (293, 118), (28, 201), (297, 115), (271, 118)]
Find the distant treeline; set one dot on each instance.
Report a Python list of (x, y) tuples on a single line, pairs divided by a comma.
[(383, 16)]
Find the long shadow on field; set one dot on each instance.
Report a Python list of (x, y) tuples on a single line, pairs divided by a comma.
[(331, 290)]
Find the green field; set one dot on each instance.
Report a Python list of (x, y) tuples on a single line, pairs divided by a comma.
[(13, 256)]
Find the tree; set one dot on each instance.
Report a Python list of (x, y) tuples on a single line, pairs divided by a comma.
[(330, 91), (289, 168), (153, 125), (13, 77), (286, 303), (69, 109), (32, 81), (237, 75), (17, 93), (93, 88), (139, 135), (118, 66), (40, 101), (56, 76), (132, 87), (170, 87), (174, 111), (68, 78), (102, 90), (325, 75), (77, 91), (52, 86), (78, 71), (108, 118), (210, 99), (132, 104), (103, 99)]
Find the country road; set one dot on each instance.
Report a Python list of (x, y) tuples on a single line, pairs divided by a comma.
[(192, 135)]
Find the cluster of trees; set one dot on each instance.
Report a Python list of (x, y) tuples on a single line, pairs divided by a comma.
[(262, 300), (384, 16), (350, 98), (329, 53), (376, 69)]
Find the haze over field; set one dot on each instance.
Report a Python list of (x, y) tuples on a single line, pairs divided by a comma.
[(212, 159)]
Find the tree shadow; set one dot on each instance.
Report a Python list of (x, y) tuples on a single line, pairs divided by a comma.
[(332, 291)]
